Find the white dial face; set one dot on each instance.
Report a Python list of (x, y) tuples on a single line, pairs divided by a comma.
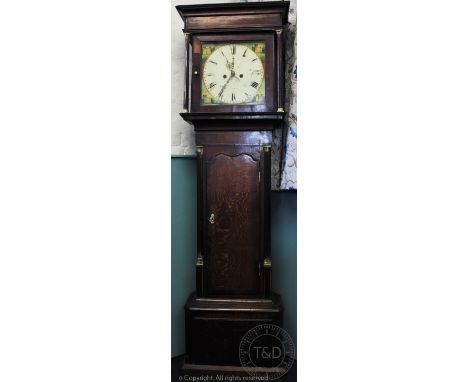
[(233, 74)]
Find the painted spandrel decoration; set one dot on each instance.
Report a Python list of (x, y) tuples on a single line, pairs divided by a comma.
[(233, 73)]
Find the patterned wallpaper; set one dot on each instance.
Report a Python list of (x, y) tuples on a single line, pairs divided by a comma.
[(283, 171), (284, 175)]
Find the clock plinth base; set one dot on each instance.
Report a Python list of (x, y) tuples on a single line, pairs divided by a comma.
[(214, 327), (230, 373)]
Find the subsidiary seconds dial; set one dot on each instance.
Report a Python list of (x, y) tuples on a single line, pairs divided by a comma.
[(232, 74)]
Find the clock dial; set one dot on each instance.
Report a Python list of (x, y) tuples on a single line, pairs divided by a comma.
[(233, 74)]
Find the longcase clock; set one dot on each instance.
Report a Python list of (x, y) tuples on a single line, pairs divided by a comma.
[(234, 95)]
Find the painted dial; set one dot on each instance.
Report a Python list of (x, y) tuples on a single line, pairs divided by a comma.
[(233, 74)]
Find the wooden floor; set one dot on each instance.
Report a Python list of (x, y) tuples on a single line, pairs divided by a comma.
[(177, 362)]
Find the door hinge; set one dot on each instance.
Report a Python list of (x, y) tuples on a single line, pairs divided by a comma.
[(259, 177)]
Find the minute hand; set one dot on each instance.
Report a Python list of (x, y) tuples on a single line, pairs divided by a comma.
[(224, 86)]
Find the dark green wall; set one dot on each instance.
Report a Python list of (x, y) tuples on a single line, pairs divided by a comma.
[(184, 244)]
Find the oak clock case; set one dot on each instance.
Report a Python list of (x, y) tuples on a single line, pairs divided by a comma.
[(234, 76)]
